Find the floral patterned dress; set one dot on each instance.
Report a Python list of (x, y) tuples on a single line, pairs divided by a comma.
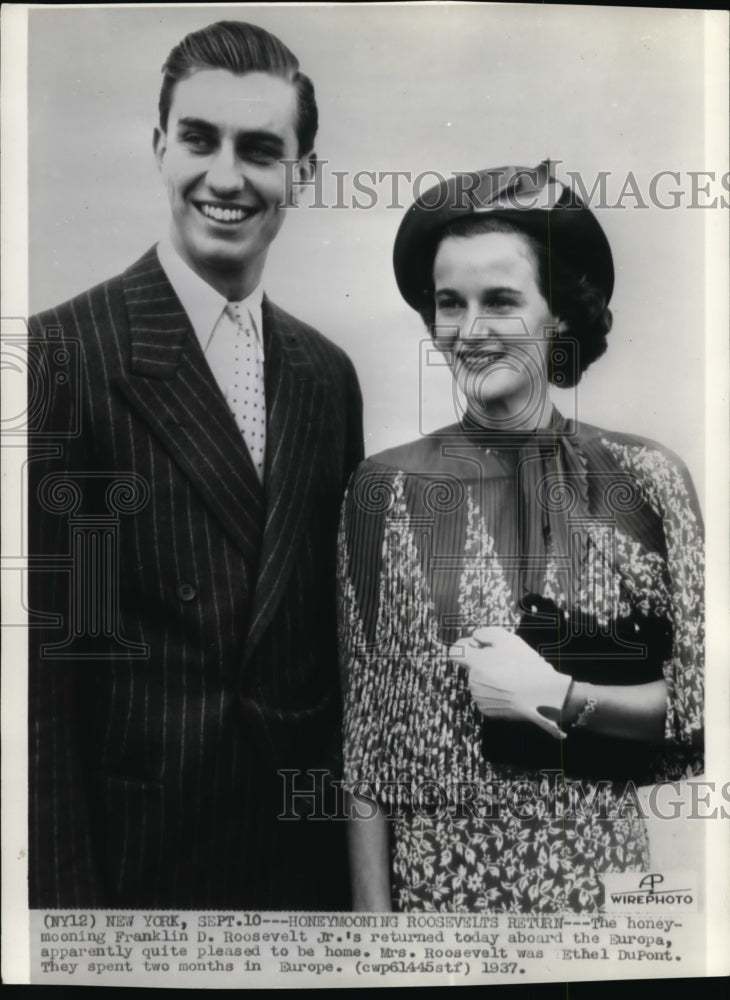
[(589, 544)]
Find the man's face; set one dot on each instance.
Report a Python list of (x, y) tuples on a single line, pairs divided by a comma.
[(219, 159)]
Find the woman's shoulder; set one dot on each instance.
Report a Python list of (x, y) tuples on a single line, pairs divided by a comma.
[(410, 473), (658, 468), (635, 448), (424, 455)]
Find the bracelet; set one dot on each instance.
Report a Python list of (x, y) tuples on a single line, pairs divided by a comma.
[(567, 695), (588, 710)]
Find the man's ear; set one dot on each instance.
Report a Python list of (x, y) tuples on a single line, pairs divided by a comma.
[(159, 145), (304, 171)]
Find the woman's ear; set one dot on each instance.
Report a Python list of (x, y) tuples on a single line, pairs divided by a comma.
[(443, 338), (562, 356)]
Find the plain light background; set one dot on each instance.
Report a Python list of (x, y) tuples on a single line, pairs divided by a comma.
[(414, 88)]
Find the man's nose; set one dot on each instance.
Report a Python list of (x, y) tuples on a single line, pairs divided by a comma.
[(225, 173)]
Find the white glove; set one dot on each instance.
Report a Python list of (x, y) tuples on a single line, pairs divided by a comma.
[(509, 680)]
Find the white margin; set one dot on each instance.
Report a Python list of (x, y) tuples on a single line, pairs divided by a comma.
[(717, 445), (14, 678)]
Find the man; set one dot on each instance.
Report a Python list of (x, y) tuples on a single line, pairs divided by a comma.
[(184, 497)]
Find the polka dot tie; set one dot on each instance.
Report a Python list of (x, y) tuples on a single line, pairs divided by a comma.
[(246, 396)]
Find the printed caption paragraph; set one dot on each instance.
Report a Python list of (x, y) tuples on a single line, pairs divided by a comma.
[(284, 949)]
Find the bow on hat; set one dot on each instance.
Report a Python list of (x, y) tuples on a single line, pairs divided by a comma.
[(530, 198), (510, 187)]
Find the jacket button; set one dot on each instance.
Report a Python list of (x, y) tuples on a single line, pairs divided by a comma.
[(186, 591)]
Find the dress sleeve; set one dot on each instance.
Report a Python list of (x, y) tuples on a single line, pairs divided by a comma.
[(684, 671), (671, 493), (360, 544), (410, 721)]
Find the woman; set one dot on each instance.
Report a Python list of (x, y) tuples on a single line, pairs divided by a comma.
[(521, 593)]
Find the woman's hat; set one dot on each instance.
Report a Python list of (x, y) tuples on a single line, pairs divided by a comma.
[(531, 199)]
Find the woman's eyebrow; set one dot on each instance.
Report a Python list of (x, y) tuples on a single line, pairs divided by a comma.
[(489, 290), (503, 290)]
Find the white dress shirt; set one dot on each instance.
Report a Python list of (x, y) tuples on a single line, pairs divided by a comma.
[(213, 326)]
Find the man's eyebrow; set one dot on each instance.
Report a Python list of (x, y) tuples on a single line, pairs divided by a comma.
[(199, 123), (261, 136), (249, 138)]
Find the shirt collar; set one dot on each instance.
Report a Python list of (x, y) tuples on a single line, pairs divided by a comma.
[(202, 303)]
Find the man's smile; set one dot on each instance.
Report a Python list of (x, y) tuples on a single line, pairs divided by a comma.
[(230, 215)]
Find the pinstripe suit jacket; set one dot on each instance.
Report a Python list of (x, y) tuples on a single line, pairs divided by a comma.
[(184, 647)]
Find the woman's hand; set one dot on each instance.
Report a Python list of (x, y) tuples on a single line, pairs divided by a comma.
[(369, 846), (509, 680)]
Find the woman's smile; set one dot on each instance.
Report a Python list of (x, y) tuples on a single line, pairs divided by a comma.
[(488, 298)]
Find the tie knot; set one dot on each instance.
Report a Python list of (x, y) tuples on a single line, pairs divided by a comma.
[(235, 311)]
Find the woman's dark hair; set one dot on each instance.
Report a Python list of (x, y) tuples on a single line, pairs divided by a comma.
[(240, 48), (579, 303)]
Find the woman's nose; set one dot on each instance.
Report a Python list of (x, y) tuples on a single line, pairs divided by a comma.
[(476, 326)]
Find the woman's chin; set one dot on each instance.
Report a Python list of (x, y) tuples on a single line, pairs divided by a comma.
[(501, 397), (492, 386), (497, 395), (518, 412)]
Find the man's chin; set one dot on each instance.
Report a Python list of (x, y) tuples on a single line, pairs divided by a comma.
[(218, 255)]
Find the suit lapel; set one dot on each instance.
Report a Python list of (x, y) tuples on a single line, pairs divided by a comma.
[(170, 385), (295, 409)]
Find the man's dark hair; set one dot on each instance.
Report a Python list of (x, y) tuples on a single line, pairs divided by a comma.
[(576, 300), (241, 48)]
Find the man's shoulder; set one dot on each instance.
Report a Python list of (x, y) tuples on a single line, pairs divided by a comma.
[(73, 311), (315, 344), (93, 306)]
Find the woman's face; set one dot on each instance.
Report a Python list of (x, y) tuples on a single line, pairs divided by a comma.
[(493, 324)]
